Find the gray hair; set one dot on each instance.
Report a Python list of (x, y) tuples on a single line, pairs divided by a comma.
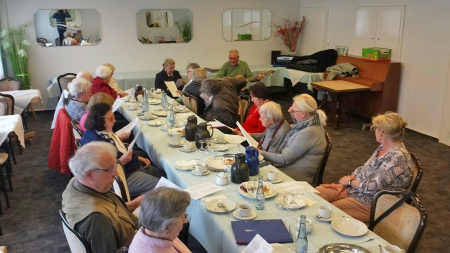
[(198, 74), (271, 110), (110, 66), (103, 72), (308, 104), (86, 75), (79, 86), (192, 66), (392, 125), (88, 156), (210, 87), (68, 34), (161, 207), (234, 51), (168, 62)]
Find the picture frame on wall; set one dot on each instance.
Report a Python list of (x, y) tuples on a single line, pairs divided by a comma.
[(342, 50)]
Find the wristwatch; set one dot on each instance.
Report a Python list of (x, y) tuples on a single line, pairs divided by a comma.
[(349, 183)]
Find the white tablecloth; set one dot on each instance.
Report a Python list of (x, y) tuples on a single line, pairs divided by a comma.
[(9, 124), (22, 98), (304, 77), (214, 230)]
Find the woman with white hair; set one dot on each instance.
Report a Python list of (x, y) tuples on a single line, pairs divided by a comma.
[(272, 119), (302, 149), (101, 81), (162, 216), (167, 74), (112, 82), (80, 90)]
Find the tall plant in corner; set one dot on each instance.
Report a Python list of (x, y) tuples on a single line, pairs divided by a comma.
[(15, 46)]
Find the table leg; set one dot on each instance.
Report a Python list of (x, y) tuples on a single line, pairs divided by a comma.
[(338, 109), (30, 107)]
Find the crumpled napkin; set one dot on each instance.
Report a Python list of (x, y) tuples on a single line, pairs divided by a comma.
[(185, 164)]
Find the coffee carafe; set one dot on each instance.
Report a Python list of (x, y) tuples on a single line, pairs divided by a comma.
[(191, 128), (202, 133), (239, 170)]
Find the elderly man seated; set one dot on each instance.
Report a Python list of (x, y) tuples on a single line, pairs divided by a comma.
[(221, 99), (80, 90), (234, 67), (94, 211), (86, 75)]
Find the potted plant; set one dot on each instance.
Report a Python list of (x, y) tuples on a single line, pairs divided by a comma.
[(290, 32)]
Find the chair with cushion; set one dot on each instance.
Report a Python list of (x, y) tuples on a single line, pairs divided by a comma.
[(396, 221), (64, 80), (9, 84), (190, 102), (417, 173), (244, 105), (77, 243), (320, 170)]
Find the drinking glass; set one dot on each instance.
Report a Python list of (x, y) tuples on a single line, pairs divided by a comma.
[(293, 230), (201, 150)]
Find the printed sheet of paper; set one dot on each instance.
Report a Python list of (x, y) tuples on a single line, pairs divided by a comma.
[(117, 103), (258, 245), (247, 136), (216, 124), (164, 182), (172, 87), (298, 187), (129, 127), (202, 190), (231, 138), (130, 147)]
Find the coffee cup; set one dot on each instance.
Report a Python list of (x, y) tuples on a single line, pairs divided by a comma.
[(182, 123), (175, 138), (272, 175), (158, 90), (200, 168), (325, 211), (132, 106), (147, 115), (167, 126), (392, 249), (139, 98), (187, 147), (133, 99), (309, 226), (220, 138), (244, 210)]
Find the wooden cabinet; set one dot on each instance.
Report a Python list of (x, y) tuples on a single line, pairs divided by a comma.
[(379, 27)]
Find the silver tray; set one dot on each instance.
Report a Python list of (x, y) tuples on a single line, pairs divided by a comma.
[(342, 247)]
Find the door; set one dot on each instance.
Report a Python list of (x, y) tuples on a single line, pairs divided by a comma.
[(444, 136), (366, 29), (314, 34)]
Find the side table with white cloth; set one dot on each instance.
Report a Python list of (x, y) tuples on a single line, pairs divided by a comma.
[(212, 229), (22, 98), (297, 76), (11, 123)]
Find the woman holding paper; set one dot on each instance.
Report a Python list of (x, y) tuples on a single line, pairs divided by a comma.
[(166, 75), (303, 147), (259, 95), (99, 125)]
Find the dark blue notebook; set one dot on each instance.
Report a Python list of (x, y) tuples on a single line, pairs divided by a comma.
[(273, 231)]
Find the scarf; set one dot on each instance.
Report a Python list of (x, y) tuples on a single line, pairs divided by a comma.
[(311, 121), (113, 139)]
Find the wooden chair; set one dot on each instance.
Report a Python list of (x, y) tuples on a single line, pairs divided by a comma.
[(320, 170), (4, 164), (244, 105), (191, 102), (396, 221), (64, 80), (8, 100), (120, 185), (77, 242), (417, 173), (9, 84)]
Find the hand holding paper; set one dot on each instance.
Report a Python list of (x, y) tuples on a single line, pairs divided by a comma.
[(252, 142), (172, 87)]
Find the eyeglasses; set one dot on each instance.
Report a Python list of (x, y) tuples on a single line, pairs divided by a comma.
[(235, 58), (293, 111), (109, 171), (189, 71), (109, 118), (186, 218)]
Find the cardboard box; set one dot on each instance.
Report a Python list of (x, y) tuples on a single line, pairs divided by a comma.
[(245, 36), (376, 54)]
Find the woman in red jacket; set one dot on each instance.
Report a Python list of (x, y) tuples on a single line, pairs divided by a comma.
[(260, 95), (101, 82)]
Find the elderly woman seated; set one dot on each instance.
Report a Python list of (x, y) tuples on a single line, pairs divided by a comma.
[(112, 81), (101, 81), (162, 216), (99, 124), (167, 74), (80, 90), (272, 119), (302, 149), (390, 166)]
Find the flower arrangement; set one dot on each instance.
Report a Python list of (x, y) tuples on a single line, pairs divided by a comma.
[(15, 45), (290, 32)]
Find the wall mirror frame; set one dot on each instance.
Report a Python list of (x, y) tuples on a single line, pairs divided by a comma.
[(246, 24), (155, 26), (82, 21)]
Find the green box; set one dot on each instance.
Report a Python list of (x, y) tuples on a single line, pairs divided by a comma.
[(376, 54), (245, 36)]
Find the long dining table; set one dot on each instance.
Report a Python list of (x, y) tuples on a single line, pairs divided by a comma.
[(213, 230)]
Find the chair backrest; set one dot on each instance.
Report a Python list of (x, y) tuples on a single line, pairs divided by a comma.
[(57, 42), (120, 185), (10, 101), (190, 102), (405, 224), (8, 84), (3, 107), (77, 132), (64, 80), (320, 170), (417, 173), (244, 102), (77, 242)]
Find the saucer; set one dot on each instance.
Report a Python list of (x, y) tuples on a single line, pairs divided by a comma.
[(333, 216), (239, 217), (151, 117), (154, 101), (279, 179), (176, 145), (204, 173), (220, 142), (221, 147), (213, 205), (155, 123), (192, 150), (160, 112)]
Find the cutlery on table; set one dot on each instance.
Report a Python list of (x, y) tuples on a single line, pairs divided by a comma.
[(223, 206)]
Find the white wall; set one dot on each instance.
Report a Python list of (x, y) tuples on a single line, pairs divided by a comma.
[(425, 53), (120, 47)]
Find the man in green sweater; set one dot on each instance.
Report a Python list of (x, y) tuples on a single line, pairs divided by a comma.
[(234, 66)]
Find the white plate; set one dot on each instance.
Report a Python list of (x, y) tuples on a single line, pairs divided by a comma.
[(272, 190), (280, 248), (192, 150), (284, 200), (333, 216), (160, 112), (349, 226), (213, 205), (221, 147), (216, 163), (279, 179), (204, 173), (176, 145), (239, 217), (156, 123), (151, 117), (154, 101), (181, 110)]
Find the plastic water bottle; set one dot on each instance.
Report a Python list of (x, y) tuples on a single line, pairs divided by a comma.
[(144, 102), (260, 197), (302, 240)]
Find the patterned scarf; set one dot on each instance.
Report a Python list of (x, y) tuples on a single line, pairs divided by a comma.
[(311, 121)]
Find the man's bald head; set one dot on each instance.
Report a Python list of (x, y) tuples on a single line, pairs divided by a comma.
[(86, 75)]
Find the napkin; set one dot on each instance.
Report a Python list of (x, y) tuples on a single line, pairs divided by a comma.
[(309, 202), (185, 164), (219, 197)]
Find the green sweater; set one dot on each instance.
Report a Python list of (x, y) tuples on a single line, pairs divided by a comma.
[(232, 71)]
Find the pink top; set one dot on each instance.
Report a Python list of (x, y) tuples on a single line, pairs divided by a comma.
[(82, 120), (143, 243)]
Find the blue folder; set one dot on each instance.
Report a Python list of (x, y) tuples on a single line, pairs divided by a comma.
[(273, 231)]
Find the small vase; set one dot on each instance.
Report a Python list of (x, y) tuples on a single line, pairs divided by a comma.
[(291, 53)]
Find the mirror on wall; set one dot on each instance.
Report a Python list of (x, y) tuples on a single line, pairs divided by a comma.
[(246, 24), (156, 26), (52, 26)]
